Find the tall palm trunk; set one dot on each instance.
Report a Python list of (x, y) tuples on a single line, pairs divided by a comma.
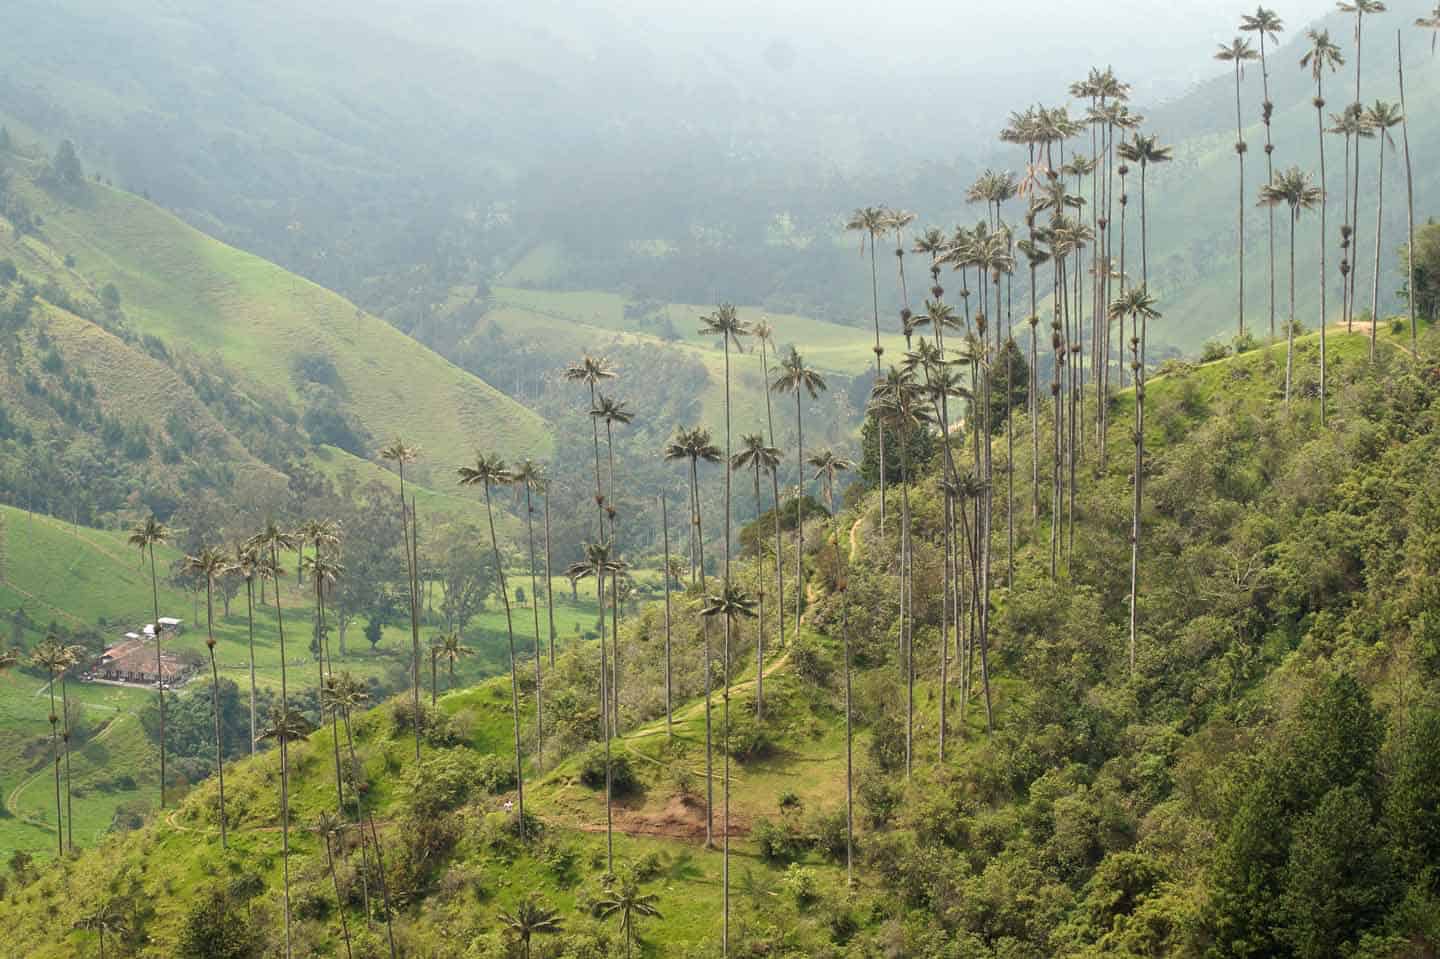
[(1290, 330), (549, 581), (614, 589), (907, 613), (605, 729), (725, 666), (250, 627), (1409, 197), (849, 717), (284, 747), (339, 902), (1355, 200), (535, 608), (775, 489), (1324, 204), (1240, 219), (414, 612), (1379, 214), (65, 740), (1266, 110), (665, 576), (55, 752), (800, 507), (160, 665), (215, 702), (699, 533), (879, 350), (514, 675), (760, 630)]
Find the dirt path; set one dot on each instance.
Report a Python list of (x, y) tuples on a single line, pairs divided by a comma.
[(12, 800)]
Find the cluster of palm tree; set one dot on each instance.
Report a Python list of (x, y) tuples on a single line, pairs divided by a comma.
[(1295, 189)]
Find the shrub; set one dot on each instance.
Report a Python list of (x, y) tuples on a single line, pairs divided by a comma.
[(779, 841), (622, 777), (802, 885), (1212, 351), (881, 800), (439, 784), (494, 774), (808, 662), (746, 738)]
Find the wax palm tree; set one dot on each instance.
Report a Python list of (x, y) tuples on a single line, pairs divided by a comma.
[(1382, 117), (1361, 9), (1349, 123), (756, 456), (246, 564), (488, 473), (730, 604), (695, 446), (528, 478), (1322, 55), (798, 378), (54, 657), (1146, 151), (833, 465), (323, 574), (1431, 23), (1410, 187), (764, 335), (110, 916), (725, 323), (451, 648), (328, 829), (400, 454), (543, 487), (871, 222), (145, 537), (631, 906), (665, 577), (828, 468), (285, 726), (899, 400), (613, 411), (1267, 24), (599, 563), (592, 371), (1139, 306), (346, 695), (1292, 188), (211, 564), (1239, 52), (530, 917)]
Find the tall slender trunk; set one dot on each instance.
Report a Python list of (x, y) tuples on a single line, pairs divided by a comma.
[(879, 350), (250, 628), (284, 746), (1379, 214), (1355, 200), (906, 613), (1269, 169), (614, 587), (414, 619), (760, 631), (605, 729), (1324, 203), (849, 718), (549, 580), (55, 753), (215, 703), (709, 672), (339, 902), (69, 797), (775, 487), (1136, 351), (160, 665), (1240, 153), (665, 576), (514, 676), (1409, 197), (539, 647), (725, 666), (800, 506), (1289, 333)]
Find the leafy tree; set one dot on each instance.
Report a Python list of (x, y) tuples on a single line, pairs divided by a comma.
[(214, 929), (65, 168)]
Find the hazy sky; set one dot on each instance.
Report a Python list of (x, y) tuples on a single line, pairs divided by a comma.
[(929, 34)]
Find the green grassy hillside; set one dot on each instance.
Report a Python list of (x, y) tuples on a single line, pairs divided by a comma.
[(198, 294)]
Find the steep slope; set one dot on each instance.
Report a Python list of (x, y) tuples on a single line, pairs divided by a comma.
[(196, 293)]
